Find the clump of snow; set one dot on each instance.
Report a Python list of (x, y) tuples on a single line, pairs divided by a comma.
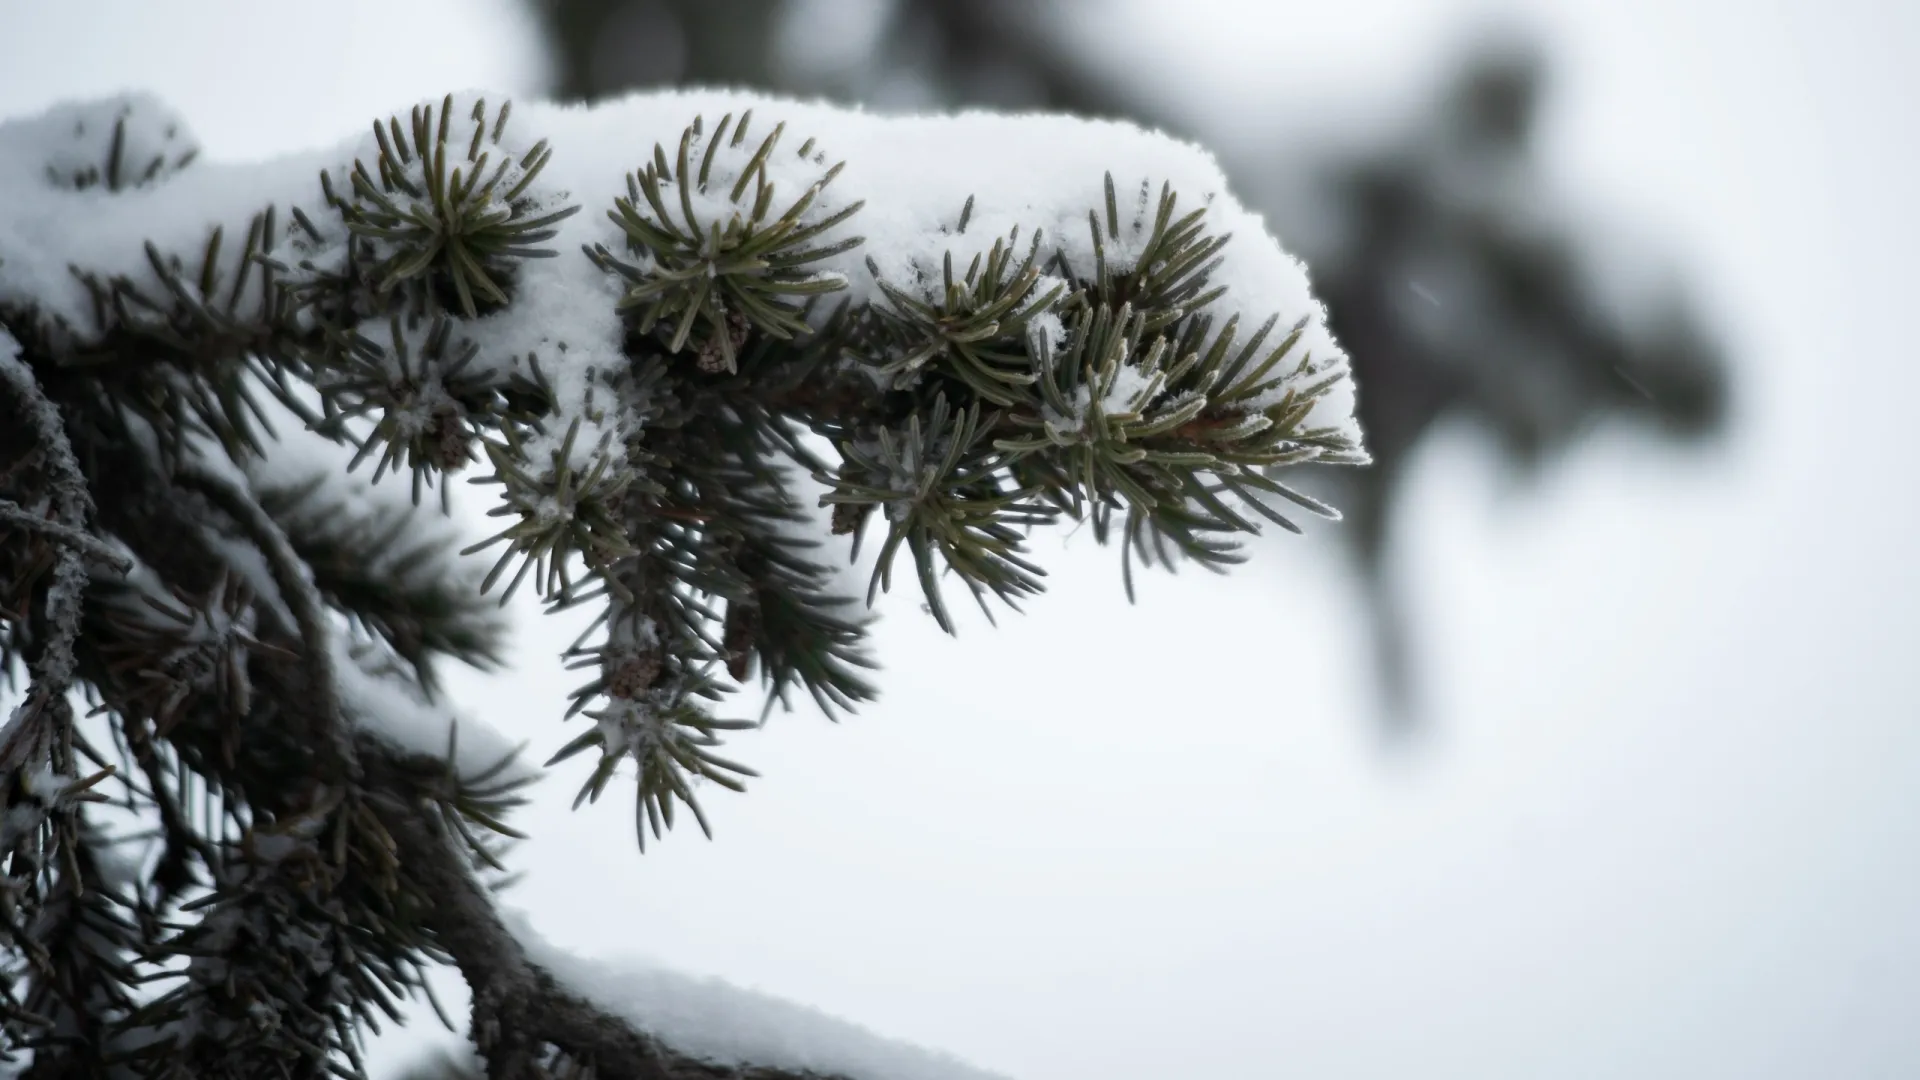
[(1047, 330), (639, 726), (1032, 173), (725, 1024), (1124, 398), (77, 142)]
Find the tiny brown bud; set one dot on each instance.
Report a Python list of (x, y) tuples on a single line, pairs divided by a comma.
[(848, 517), (629, 672), (712, 359), (449, 438)]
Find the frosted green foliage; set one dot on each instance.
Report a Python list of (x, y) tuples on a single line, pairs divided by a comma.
[(973, 325)]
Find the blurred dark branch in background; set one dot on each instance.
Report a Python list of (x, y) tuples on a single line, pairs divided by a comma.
[(1460, 300)]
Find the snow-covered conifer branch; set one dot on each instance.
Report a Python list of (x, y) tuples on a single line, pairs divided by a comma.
[(26, 738), (972, 325)]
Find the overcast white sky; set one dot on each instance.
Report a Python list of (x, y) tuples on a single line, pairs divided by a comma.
[(1668, 826)]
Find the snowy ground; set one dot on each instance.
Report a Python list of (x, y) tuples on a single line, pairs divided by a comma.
[(1667, 826)]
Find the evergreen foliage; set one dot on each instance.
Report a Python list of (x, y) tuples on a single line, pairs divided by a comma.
[(234, 821), (1526, 350)]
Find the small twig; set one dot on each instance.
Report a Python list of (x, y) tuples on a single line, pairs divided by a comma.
[(24, 737), (302, 598), (91, 546)]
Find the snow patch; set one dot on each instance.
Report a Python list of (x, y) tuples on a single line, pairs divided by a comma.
[(725, 1024), (387, 708), (1031, 173)]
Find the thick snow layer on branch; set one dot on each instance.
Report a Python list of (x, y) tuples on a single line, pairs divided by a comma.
[(718, 1022), (1036, 173)]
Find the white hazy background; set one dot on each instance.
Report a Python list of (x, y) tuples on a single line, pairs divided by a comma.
[(1668, 820)]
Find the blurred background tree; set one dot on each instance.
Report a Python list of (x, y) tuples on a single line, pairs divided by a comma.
[(1462, 295)]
